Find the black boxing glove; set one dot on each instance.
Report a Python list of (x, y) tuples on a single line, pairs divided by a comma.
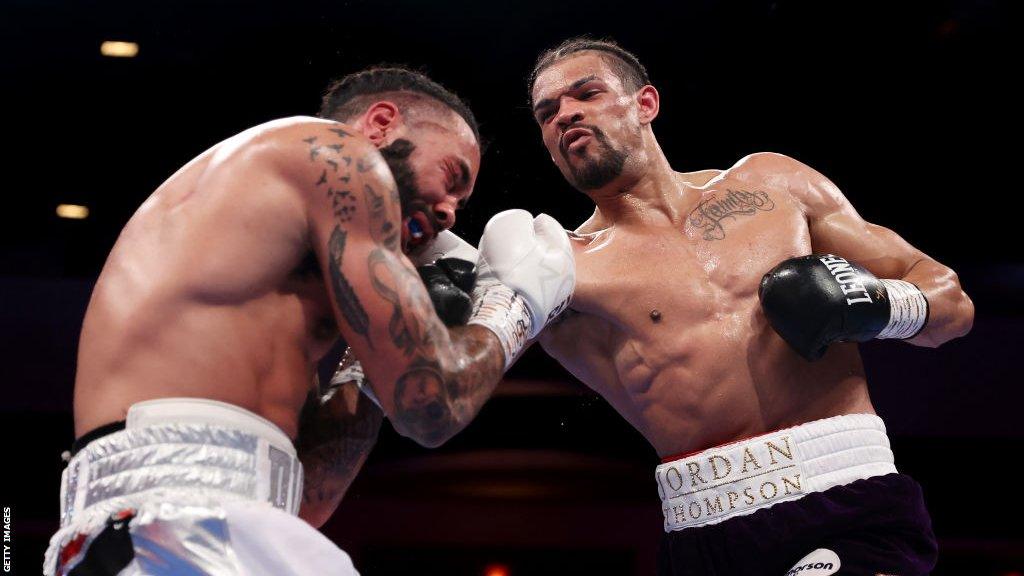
[(449, 282), (813, 301)]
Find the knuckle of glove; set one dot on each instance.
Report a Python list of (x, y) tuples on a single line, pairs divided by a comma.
[(452, 304), (461, 272), (534, 257), (802, 304), (812, 304)]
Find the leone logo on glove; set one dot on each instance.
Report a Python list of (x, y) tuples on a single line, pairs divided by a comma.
[(848, 279)]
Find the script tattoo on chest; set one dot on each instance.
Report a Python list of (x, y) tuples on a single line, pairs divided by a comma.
[(710, 214)]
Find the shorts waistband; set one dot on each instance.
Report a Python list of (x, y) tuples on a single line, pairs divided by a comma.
[(742, 477), (183, 450)]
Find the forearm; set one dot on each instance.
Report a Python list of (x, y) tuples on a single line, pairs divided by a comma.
[(438, 398), (335, 438), (950, 310), (483, 366)]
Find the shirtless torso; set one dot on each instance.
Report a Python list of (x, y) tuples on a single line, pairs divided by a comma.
[(666, 323), (213, 291)]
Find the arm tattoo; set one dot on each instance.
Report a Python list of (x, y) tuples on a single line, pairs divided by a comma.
[(333, 442), (334, 180), (382, 230), (433, 407), (401, 326), (709, 214), (430, 401), (344, 295)]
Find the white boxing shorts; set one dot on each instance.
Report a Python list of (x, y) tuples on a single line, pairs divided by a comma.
[(189, 487)]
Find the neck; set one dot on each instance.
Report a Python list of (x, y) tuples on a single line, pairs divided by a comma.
[(648, 191)]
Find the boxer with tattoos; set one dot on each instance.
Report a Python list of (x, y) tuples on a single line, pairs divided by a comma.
[(717, 311), (219, 297)]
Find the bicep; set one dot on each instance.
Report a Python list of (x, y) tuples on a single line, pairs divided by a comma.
[(885, 253), (836, 228)]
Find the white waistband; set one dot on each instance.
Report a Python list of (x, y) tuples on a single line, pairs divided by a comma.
[(186, 451), (205, 411), (743, 477)]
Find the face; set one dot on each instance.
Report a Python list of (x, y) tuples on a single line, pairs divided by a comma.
[(588, 121), (435, 165)]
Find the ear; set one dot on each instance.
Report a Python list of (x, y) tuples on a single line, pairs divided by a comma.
[(649, 102), (381, 121)]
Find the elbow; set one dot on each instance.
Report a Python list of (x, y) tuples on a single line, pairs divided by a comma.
[(315, 516), (432, 441), (956, 322), (426, 436), (430, 422), (964, 319)]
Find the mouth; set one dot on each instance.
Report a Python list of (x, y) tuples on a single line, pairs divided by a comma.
[(419, 230), (574, 139)]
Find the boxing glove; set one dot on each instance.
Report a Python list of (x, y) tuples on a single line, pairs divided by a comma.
[(447, 265), (813, 301), (526, 277)]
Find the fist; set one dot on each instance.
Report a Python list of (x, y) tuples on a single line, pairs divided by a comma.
[(534, 258), (449, 283), (813, 301)]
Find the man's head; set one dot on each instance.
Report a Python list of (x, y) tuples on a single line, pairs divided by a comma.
[(594, 104), (427, 135)]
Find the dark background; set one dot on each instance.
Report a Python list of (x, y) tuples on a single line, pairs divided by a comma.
[(908, 106)]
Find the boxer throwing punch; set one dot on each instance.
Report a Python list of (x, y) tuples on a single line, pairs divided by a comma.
[(771, 462)]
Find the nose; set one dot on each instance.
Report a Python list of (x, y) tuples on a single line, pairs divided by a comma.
[(568, 117), (444, 213)]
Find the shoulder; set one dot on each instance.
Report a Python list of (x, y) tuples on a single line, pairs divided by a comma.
[(770, 162), (302, 144), (323, 158), (700, 177), (805, 184)]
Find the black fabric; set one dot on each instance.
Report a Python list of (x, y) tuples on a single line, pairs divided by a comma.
[(83, 440), (878, 525), (109, 552)]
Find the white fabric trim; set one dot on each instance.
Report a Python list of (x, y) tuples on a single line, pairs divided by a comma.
[(742, 477)]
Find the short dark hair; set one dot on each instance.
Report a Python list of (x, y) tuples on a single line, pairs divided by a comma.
[(625, 64), (350, 95)]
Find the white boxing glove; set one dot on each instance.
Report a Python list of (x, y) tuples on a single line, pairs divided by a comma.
[(526, 277)]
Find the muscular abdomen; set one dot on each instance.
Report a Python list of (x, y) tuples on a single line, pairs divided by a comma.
[(680, 348)]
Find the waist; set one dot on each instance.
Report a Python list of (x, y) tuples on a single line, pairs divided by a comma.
[(742, 477), (185, 450)]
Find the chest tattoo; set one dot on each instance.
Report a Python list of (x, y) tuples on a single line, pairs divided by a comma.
[(711, 213)]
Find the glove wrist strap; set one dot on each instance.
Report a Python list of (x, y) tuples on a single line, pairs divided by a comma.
[(502, 311), (908, 310)]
